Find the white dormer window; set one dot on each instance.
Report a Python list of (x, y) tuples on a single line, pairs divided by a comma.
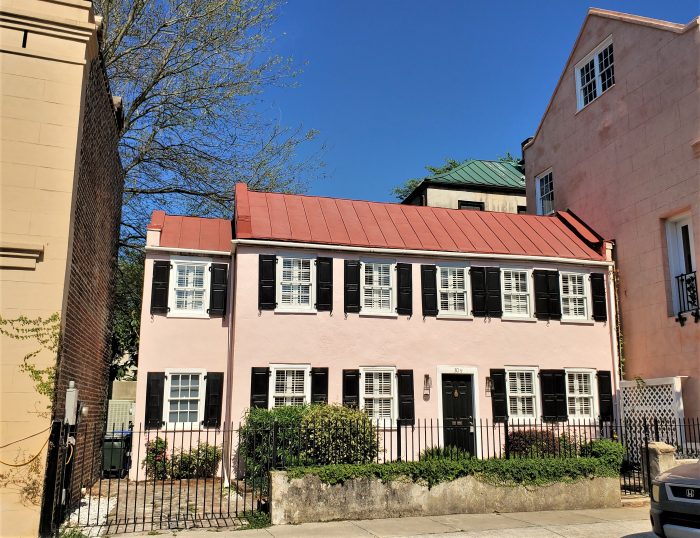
[(595, 74)]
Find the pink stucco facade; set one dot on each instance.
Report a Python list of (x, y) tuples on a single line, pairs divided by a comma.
[(247, 337), (628, 164)]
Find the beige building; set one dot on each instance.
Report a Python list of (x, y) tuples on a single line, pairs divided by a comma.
[(619, 145), (474, 185), (60, 205)]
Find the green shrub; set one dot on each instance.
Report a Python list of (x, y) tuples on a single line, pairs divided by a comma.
[(610, 452), (535, 443), (335, 434), (518, 471), (202, 462), (156, 463), (444, 453), (256, 435)]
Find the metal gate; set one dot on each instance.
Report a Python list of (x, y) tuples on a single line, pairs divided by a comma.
[(132, 479)]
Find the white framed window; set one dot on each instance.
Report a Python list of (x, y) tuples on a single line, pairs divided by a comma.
[(544, 191), (580, 390), (595, 74), (452, 283), (515, 286), (295, 281), (189, 287), (184, 397), (378, 287), (521, 392), (574, 295), (289, 385), (682, 264), (378, 392)]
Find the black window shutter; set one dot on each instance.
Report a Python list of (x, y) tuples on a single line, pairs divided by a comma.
[(478, 278), (600, 310), (407, 411), (493, 292), (217, 292), (155, 389), (352, 286), (351, 388), (404, 285), (605, 398), (259, 387), (319, 385), (547, 299), (266, 282), (324, 284), (553, 390), (554, 296), (428, 279), (213, 400), (499, 401), (159, 287)]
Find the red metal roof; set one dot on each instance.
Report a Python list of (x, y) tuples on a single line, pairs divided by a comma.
[(313, 219), (196, 233)]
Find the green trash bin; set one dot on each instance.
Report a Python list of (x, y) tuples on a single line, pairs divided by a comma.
[(116, 454)]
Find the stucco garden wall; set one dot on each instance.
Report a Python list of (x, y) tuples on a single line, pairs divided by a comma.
[(307, 499)]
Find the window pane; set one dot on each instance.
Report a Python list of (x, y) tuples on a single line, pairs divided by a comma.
[(588, 82), (606, 67)]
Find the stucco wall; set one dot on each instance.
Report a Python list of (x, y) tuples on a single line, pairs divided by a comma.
[(307, 499), (507, 203), (43, 87), (624, 164), (338, 341)]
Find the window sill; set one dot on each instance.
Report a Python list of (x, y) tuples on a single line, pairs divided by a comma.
[(515, 318), (368, 314), (455, 316), (584, 107), (294, 311), (182, 426), (190, 314), (575, 321)]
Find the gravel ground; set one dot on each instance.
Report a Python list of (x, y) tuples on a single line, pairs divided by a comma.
[(92, 510)]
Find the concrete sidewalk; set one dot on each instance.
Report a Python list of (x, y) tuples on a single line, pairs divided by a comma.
[(602, 523)]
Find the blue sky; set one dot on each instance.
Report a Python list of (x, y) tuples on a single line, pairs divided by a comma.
[(393, 85)]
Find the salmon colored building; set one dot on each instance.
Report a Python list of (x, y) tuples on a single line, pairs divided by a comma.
[(619, 145), (404, 311)]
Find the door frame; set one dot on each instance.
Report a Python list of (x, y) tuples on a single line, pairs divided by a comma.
[(457, 369)]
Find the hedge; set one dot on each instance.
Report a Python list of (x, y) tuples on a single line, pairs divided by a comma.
[(432, 471)]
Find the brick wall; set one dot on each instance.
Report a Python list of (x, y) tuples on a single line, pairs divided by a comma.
[(85, 353)]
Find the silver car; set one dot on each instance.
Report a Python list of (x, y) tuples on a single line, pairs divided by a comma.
[(675, 502)]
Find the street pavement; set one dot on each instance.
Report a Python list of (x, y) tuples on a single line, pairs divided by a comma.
[(625, 522)]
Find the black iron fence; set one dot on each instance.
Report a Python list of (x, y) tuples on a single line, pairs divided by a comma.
[(181, 477)]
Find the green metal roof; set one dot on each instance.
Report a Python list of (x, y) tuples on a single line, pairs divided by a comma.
[(499, 174)]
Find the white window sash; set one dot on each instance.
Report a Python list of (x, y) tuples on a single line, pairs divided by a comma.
[(287, 395), (188, 288), (597, 73), (541, 207), (575, 397), (296, 283), (520, 397), (453, 292), (572, 301), (169, 375), (383, 289), (513, 294), (376, 396)]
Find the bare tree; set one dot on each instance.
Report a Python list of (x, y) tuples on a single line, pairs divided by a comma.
[(190, 72)]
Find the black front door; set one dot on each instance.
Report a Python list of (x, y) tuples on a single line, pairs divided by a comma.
[(458, 411)]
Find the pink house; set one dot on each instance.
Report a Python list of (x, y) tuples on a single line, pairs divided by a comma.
[(619, 144), (404, 311)]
